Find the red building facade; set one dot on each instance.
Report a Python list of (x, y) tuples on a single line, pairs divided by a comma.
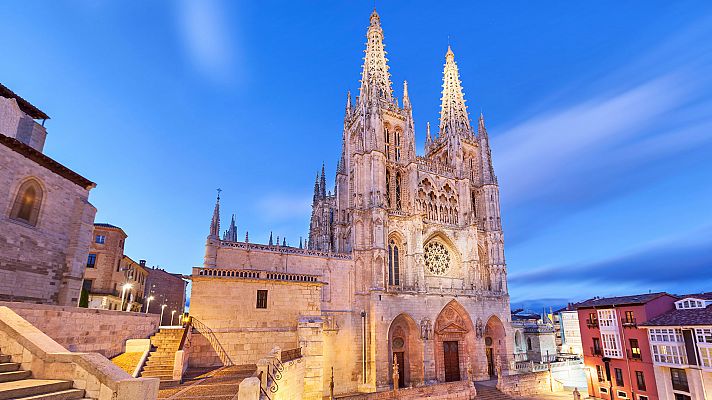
[(616, 351)]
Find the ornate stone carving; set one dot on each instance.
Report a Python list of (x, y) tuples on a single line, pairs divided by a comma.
[(437, 258), (426, 329), (479, 330)]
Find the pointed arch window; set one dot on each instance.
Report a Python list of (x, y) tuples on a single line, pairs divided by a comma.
[(393, 264), (398, 191), (387, 140), (28, 200), (388, 188), (397, 139)]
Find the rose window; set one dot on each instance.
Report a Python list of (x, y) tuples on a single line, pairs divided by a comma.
[(437, 258)]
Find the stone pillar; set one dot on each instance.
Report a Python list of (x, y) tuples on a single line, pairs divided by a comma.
[(311, 340), (249, 389), (429, 360)]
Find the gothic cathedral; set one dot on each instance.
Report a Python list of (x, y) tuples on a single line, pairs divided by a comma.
[(404, 262)]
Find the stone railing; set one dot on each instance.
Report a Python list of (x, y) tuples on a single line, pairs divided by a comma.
[(433, 167), (276, 377), (284, 250), (254, 274), (47, 359)]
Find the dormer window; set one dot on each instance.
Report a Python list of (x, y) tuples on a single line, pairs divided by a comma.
[(691, 303)]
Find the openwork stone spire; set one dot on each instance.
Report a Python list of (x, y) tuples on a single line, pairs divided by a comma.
[(453, 112), (215, 222), (230, 234), (375, 79)]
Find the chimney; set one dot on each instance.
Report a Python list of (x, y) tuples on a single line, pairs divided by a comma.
[(142, 262)]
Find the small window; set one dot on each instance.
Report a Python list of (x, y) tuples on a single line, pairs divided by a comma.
[(622, 395), (599, 370), (596, 346), (529, 344), (679, 379), (640, 378), (261, 299), (91, 260), (86, 285), (680, 396), (100, 239), (619, 377), (642, 397), (635, 349), (603, 390)]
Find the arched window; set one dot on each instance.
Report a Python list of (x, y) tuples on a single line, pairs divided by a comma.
[(398, 191), (27, 202), (393, 264), (388, 188), (397, 148), (387, 140)]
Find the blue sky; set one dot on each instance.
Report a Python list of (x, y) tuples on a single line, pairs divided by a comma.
[(600, 116)]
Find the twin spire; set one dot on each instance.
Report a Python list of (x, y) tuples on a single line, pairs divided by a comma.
[(376, 83)]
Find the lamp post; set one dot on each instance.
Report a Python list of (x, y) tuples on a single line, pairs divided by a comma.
[(124, 288), (148, 302), (173, 313), (163, 307)]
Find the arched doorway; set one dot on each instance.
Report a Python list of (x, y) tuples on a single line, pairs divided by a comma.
[(404, 345), (495, 346), (454, 342)]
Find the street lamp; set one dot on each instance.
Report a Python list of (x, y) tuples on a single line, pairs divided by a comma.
[(163, 307), (148, 302), (173, 313), (124, 288)]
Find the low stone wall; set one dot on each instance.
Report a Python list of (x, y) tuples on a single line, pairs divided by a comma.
[(87, 330), (460, 390), (529, 383), (37, 352)]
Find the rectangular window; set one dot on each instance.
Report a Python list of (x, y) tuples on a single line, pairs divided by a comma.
[(599, 370), (680, 396), (635, 349), (640, 378), (607, 318), (705, 355), (619, 377), (642, 397), (611, 345), (86, 285), (596, 346), (91, 260), (100, 239), (703, 335), (679, 380), (603, 390), (629, 318), (622, 394), (261, 299)]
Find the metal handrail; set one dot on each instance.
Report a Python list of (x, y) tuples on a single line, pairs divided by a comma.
[(186, 331), (208, 333)]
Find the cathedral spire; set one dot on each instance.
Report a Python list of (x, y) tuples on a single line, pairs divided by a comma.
[(406, 98), (270, 239), (316, 188), (375, 79), (428, 138), (488, 176), (322, 182), (215, 222), (231, 233), (348, 103), (453, 112)]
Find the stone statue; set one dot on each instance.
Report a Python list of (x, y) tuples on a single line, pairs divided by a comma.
[(577, 395), (478, 328)]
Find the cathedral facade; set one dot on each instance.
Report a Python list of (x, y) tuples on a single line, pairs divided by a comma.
[(404, 262)]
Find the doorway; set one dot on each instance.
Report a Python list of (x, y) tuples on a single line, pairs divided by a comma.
[(452, 361), (398, 355), (489, 351)]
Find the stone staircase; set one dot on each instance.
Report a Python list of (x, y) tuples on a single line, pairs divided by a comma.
[(159, 364), (490, 392), (18, 384)]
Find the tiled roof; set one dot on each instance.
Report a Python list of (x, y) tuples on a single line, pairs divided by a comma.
[(41, 159), (688, 317), (25, 106), (105, 225), (621, 300), (701, 296)]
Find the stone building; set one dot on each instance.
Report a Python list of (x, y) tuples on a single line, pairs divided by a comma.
[(166, 289), (45, 215), (534, 338), (568, 331), (405, 257), (112, 277)]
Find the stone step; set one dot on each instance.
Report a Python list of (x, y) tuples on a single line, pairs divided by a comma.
[(168, 383), (69, 394), (14, 375), (9, 366), (158, 373), (31, 387), (4, 358), (153, 368)]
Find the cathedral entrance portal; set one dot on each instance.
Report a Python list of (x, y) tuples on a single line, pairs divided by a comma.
[(406, 347), (495, 346), (452, 361), (454, 343)]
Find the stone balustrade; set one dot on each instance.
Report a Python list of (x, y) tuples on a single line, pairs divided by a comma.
[(284, 249), (254, 274)]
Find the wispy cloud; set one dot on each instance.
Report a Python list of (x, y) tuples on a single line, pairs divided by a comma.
[(208, 38)]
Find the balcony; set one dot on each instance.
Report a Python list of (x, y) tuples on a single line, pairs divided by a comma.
[(629, 322), (592, 323), (596, 351), (634, 356)]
